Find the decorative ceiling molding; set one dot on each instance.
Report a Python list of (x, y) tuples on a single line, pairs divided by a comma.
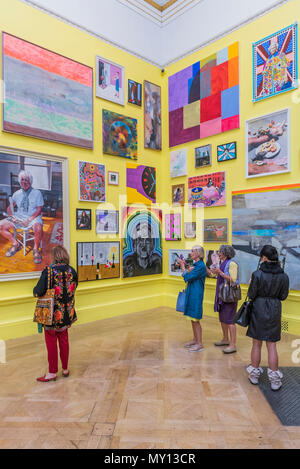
[(160, 14)]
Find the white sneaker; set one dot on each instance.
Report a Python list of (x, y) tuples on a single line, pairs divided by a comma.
[(254, 374), (275, 378)]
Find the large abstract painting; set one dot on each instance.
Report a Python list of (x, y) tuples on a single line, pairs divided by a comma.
[(91, 182), (110, 81), (98, 261), (275, 63), (152, 104), (268, 144), (142, 243), (267, 215), (119, 135), (34, 215), (208, 190), (204, 98), (47, 95), (141, 184)]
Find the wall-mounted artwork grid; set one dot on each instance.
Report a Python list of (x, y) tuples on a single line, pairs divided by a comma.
[(98, 261), (204, 98), (47, 95)]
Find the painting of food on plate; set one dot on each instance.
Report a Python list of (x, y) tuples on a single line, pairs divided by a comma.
[(268, 143)]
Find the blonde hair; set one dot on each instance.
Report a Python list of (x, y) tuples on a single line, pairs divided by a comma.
[(60, 255), (199, 250)]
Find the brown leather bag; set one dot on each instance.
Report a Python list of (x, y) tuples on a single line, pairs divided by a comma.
[(44, 308), (230, 292)]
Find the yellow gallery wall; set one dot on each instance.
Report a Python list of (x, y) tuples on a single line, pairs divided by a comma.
[(105, 298)]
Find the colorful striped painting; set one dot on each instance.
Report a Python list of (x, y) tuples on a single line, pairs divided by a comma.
[(226, 152), (173, 227), (47, 95)]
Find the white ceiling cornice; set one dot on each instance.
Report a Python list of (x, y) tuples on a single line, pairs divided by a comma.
[(158, 37)]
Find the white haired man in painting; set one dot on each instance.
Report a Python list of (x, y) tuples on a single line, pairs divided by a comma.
[(24, 211)]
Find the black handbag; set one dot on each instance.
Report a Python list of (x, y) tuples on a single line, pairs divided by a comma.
[(230, 292), (242, 316)]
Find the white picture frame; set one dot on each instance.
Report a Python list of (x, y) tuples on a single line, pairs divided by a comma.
[(110, 81), (267, 156)]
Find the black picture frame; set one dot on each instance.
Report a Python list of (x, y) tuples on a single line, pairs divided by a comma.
[(80, 224)]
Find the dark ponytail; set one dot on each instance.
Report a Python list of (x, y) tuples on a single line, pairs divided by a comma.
[(269, 252)]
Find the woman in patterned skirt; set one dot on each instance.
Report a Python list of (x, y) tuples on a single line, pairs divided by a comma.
[(64, 281)]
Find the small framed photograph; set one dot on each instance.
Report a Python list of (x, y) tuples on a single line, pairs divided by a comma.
[(113, 178), (83, 219), (203, 156), (226, 152), (107, 221), (134, 93)]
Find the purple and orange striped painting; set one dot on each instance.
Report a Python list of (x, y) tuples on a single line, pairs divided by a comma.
[(47, 95)]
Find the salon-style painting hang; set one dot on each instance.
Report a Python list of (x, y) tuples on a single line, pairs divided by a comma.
[(119, 135), (47, 95), (110, 81), (141, 184), (152, 116), (275, 64), (204, 98)]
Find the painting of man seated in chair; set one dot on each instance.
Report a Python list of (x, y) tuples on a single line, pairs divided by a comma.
[(32, 223)]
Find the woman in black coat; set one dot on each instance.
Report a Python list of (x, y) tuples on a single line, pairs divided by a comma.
[(269, 286)]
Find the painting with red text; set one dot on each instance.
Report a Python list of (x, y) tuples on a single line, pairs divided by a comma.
[(208, 190)]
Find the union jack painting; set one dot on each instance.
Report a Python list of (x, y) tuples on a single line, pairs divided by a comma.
[(275, 64)]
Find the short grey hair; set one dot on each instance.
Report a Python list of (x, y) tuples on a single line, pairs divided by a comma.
[(27, 174), (227, 251), (199, 250)]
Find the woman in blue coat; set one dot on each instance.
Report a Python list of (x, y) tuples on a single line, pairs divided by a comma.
[(195, 279)]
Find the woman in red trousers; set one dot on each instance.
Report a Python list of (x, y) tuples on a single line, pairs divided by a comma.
[(64, 280)]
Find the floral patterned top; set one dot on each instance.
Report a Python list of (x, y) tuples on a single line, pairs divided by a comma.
[(64, 280)]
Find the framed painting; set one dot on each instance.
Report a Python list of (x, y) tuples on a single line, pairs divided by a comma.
[(152, 116), (268, 215), (173, 227), (203, 156), (275, 63), (140, 184), (268, 144), (226, 152), (178, 194), (208, 190), (119, 135), (83, 219), (211, 85), (113, 178), (212, 261), (215, 230), (91, 180), (107, 221), (110, 81), (134, 93), (98, 260), (47, 95), (142, 241), (178, 165), (174, 256), (190, 229), (34, 214)]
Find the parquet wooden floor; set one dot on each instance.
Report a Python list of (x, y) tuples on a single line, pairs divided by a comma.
[(133, 385)]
